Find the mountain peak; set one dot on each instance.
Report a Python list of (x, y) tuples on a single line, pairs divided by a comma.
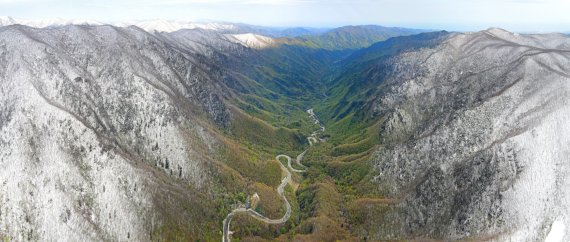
[(499, 32), (253, 40), (160, 25)]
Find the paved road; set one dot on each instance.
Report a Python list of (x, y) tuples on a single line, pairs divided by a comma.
[(280, 190), (312, 140)]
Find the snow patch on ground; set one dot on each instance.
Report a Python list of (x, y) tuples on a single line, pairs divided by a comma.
[(557, 232), (540, 195)]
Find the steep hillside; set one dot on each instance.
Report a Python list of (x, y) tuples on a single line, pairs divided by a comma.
[(471, 139), (115, 133)]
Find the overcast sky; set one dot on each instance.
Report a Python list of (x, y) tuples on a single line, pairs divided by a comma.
[(514, 15)]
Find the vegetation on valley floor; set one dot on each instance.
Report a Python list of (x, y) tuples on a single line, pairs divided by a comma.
[(337, 198)]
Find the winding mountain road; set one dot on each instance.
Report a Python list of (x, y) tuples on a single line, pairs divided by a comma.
[(280, 190)]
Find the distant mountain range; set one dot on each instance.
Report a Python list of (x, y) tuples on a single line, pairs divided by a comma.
[(148, 25), (351, 37), (348, 37)]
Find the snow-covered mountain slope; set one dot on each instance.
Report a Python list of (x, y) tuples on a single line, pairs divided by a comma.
[(171, 26), (5, 21), (252, 40), (105, 133), (43, 23), (474, 134)]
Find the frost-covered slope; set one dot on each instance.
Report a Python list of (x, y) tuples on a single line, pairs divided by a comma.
[(252, 40), (105, 134), (475, 141), (161, 25), (49, 22), (5, 21)]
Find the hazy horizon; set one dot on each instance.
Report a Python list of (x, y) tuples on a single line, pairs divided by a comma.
[(458, 15)]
